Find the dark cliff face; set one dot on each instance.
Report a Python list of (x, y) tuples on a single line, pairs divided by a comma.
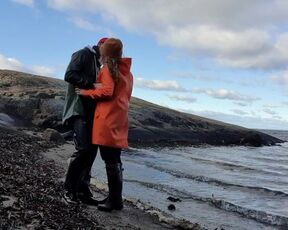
[(38, 101), (151, 124)]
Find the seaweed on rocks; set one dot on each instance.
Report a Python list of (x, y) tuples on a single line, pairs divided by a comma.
[(30, 193)]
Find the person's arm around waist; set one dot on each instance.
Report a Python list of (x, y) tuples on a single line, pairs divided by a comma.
[(105, 89)]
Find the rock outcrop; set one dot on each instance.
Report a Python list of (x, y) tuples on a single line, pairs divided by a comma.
[(36, 100)]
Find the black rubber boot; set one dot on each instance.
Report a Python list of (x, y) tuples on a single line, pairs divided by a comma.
[(72, 178), (84, 189), (86, 196), (115, 184), (103, 201)]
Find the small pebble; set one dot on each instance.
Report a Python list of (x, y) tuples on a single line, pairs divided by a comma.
[(173, 199), (171, 207)]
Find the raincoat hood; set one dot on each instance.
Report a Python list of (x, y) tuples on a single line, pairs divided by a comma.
[(125, 65)]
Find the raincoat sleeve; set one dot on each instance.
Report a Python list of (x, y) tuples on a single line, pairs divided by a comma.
[(106, 89), (74, 73)]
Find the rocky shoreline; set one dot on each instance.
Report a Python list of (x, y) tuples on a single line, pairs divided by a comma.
[(31, 192), (38, 101)]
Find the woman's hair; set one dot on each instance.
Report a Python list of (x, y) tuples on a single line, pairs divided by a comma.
[(113, 67), (111, 53)]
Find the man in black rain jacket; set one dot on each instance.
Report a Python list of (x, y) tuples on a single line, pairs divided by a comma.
[(79, 114)]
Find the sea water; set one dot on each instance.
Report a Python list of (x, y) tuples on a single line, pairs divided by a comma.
[(218, 187)]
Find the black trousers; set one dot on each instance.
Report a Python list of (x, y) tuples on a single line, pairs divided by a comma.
[(110, 155), (78, 173)]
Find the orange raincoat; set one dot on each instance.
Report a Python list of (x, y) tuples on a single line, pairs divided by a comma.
[(110, 127)]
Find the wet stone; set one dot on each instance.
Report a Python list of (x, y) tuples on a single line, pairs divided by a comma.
[(171, 207), (173, 199), (53, 135)]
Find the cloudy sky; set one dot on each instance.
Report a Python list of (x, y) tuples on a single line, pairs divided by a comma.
[(222, 59)]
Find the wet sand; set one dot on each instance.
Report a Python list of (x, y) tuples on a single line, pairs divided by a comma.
[(135, 214)]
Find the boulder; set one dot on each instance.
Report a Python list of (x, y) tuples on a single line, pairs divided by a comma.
[(43, 95), (6, 120), (53, 135)]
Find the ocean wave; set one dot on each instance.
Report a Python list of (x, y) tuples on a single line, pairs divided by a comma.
[(231, 166), (279, 164), (273, 159), (213, 181), (258, 215)]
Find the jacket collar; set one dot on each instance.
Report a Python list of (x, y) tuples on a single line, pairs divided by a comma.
[(90, 49)]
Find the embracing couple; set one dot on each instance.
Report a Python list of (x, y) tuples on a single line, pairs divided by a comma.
[(96, 108)]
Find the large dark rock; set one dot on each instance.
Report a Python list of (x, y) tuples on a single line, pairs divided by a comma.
[(34, 99), (39, 101), (6, 120), (52, 135), (151, 124)]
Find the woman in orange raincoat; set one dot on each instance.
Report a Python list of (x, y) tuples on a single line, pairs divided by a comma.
[(110, 127)]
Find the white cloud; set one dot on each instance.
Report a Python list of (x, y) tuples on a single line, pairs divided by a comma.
[(239, 112), (201, 77), (187, 12), (216, 41), (43, 70), (29, 3), (159, 85), (281, 79), (10, 63), (226, 94), (242, 34), (254, 121), (243, 49), (252, 81), (183, 98), (278, 117), (83, 23), (14, 64), (271, 106), (270, 111), (240, 104)]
